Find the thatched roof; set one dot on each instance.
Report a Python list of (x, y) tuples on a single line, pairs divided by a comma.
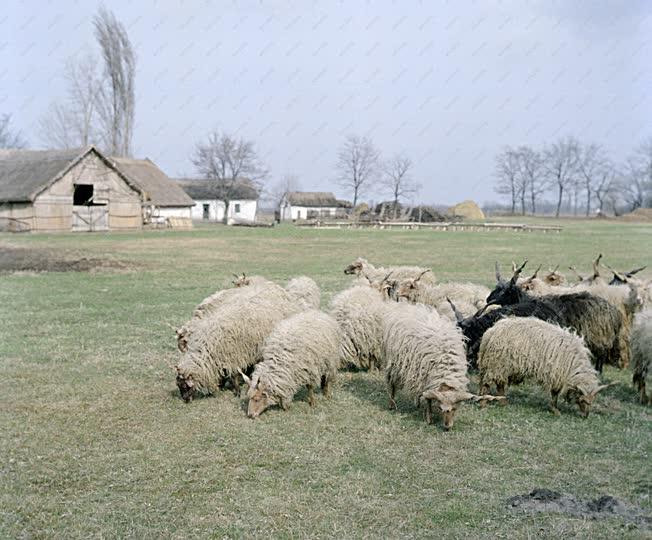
[(25, 173), (315, 198), (201, 189), (157, 188)]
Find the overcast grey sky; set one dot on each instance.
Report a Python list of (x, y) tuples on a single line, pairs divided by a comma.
[(449, 83)]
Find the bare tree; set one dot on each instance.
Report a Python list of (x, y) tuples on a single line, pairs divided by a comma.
[(8, 137), (289, 182), (508, 175), (72, 124), (397, 180), (561, 163), (590, 167), (357, 164), (227, 161), (604, 184), (116, 98), (640, 174), (531, 171)]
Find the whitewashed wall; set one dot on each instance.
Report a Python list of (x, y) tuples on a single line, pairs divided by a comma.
[(247, 210), (301, 212)]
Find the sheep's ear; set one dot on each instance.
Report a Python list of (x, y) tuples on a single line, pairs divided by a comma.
[(244, 377), (498, 278)]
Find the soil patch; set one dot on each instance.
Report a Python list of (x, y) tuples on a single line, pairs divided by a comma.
[(546, 500), (42, 260)]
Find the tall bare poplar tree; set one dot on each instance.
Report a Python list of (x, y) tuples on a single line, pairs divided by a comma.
[(116, 98), (8, 137), (561, 161)]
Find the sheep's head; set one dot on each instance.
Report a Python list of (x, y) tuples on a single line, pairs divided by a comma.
[(186, 386), (241, 281), (182, 339), (584, 401), (407, 287), (554, 278), (356, 267), (506, 292), (259, 397), (531, 283)]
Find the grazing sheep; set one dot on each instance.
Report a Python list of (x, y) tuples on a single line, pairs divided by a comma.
[(301, 351), (220, 346), (518, 348), (595, 319), (361, 267), (418, 292), (305, 291), (642, 351), (358, 312), (424, 355), (475, 326)]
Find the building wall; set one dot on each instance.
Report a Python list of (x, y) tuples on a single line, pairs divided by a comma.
[(247, 210), (16, 216), (163, 212), (290, 212), (53, 207)]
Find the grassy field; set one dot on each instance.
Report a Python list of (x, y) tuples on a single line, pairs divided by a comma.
[(96, 442)]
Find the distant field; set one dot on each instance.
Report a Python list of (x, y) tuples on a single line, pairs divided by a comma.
[(95, 441)]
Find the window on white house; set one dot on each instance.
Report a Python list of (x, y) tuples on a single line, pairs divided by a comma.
[(206, 211), (237, 208), (298, 214)]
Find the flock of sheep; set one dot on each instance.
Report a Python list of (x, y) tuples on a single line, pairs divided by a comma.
[(425, 336)]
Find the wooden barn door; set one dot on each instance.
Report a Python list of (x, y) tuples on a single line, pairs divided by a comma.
[(90, 218)]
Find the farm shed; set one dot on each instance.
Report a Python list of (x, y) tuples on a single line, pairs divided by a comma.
[(163, 200), (209, 206), (65, 190), (310, 204)]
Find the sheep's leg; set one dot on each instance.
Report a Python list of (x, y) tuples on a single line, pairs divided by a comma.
[(484, 390), (326, 386), (392, 394), (501, 389), (641, 389), (311, 395), (235, 381), (554, 396), (428, 411)]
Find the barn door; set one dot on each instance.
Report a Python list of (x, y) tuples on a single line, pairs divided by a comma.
[(90, 218)]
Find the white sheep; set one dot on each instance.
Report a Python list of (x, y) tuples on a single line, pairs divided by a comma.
[(521, 347), (221, 345), (305, 291), (358, 312), (302, 350), (642, 351), (425, 356), (363, 268), (462, 294)]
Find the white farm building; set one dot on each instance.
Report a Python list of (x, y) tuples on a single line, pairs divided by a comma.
[(310, 205), (210, 206)]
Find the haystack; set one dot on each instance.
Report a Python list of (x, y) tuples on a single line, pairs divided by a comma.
[(467, 210)]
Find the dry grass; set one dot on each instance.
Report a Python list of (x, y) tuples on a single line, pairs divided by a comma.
[(97, 443)]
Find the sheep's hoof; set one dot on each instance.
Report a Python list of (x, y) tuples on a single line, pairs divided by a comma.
[(556, 412), (392, 405)]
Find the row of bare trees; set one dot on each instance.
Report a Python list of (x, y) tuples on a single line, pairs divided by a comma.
[(99, 107), (9, 137), (577, 175)]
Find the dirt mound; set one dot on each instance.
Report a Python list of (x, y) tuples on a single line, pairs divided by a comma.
[(467, 210), (14, 259), (640, 214), (546, 500)]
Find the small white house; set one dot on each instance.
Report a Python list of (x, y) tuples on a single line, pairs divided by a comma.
[(209, 207), (310, 205)]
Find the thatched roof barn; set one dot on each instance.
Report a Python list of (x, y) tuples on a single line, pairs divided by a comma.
[(81, 190), (310, 204), (209, 204)]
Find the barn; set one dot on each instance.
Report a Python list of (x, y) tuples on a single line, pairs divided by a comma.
[(243, 204), (65, 190), (83, 190), (164, 202), (310, 204)]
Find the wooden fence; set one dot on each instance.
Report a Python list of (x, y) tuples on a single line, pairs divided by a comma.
[(435, 226)]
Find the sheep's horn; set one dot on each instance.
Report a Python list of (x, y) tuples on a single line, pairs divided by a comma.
[(534, 275), (244, 377), (458, 315), (236, 276), (552, 272), (518, 271), (387, 276), (603, 386), (421, 275), (498, 278), (635, 271), (481, 310), (616, 274), (487, 397), (572, 269), (596, 266), (513, 266)]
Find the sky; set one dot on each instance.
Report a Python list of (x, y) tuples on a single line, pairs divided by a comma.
[(447, 83)]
